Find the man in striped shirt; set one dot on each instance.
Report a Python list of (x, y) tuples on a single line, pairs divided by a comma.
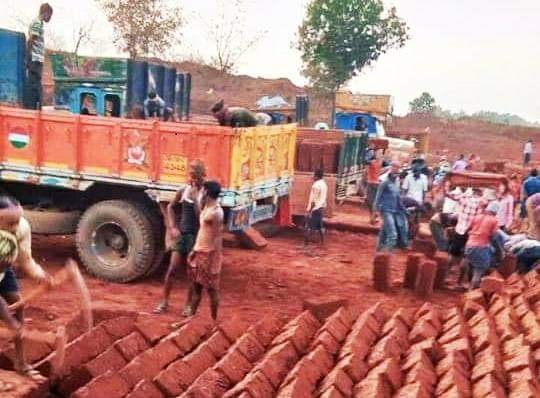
[(469, 207), (36, 57)]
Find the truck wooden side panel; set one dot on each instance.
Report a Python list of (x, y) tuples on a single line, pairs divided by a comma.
[(262, 155), (155, 155)]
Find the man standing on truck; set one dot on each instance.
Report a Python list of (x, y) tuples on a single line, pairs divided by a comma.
[(15, 234), (204, 261), (233, 116), (183, 225), (316, 205), (35, 57)]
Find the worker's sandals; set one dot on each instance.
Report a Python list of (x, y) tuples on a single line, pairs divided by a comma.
[(161, 308), (28, 371)]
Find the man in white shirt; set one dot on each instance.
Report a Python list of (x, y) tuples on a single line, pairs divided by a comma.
[(415, 186), (316, 206), (460, 164), (527, 152)]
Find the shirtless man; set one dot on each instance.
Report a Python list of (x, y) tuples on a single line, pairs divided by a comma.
[(205, 260), (183, 228), (14, 226)]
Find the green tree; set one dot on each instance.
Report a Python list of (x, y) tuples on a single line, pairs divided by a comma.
[(338, 38), (143, 27), (425, 104)]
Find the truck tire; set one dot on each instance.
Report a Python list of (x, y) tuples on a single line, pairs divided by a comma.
[(159, 236), (52, 222), (115, 241)]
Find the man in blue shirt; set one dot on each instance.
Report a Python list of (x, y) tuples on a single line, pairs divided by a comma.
[(395, 230), (531, 184)]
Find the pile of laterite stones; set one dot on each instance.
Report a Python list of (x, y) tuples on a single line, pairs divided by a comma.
[(489, 346)]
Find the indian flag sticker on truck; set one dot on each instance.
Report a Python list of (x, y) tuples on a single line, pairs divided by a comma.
[(19, 140)]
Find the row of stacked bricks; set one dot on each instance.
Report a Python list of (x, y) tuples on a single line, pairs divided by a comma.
[(488, 347), (119, 356), (36, 351), (314, 154), (195, 360), (495, 337)]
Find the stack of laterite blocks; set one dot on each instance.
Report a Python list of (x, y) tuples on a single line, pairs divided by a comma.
[(488, 346), (425, 270)]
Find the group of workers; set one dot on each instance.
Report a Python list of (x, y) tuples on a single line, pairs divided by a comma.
[(194, 223), (472, 225)]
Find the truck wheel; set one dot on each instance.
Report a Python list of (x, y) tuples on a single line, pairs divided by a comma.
[(51, 222), (115, 241), (158, 227)]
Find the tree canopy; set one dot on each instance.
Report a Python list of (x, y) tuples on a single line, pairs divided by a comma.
[(424, 104), (338, 38)]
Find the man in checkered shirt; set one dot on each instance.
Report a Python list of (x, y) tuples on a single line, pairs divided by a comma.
[(468, 207)]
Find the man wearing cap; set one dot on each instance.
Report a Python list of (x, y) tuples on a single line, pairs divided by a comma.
[(395, 229), (233, 116), (478, 251)]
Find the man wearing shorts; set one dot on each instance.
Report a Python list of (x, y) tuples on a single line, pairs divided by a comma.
[(316, 206), (15, 235), (183, 222)]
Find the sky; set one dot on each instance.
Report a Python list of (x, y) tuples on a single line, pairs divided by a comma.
[(470, 55)]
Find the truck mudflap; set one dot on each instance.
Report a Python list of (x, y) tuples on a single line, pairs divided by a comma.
[(243, 217)]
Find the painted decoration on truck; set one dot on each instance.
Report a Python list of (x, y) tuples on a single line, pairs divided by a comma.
[(136, 152), (174, 164), (19, 139), (262, 155), (88, 68)]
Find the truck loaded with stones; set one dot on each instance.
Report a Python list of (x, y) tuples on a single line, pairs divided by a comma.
[(104, 178)]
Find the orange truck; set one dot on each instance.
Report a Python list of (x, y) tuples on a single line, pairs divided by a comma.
[(104, 179)]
